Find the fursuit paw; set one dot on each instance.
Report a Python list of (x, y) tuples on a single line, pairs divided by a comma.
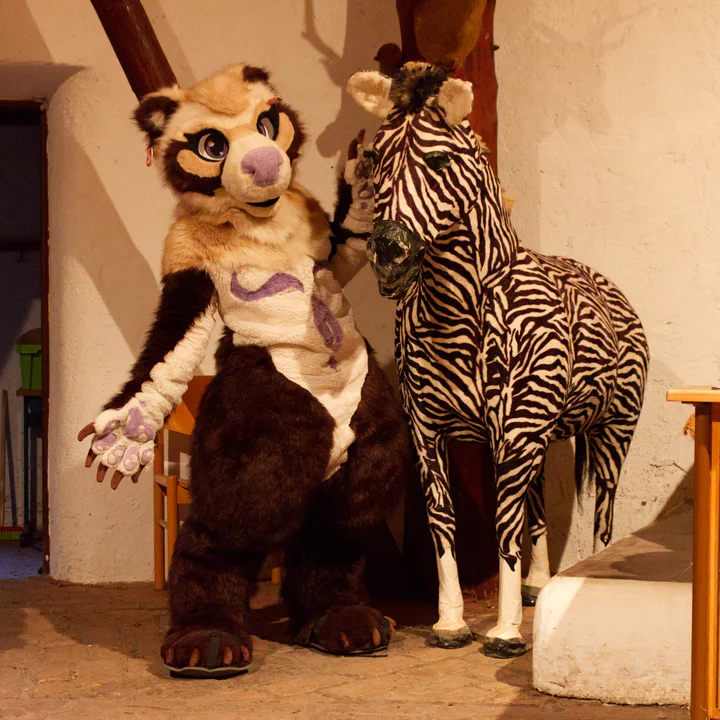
[(349, 630), (358, 175), (202, 652), (123, 441)]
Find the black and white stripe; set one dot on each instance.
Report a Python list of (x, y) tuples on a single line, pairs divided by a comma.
[(497, 343)]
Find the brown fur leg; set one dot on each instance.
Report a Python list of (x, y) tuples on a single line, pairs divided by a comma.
[(260, 450), (324, 564), (209, 589)]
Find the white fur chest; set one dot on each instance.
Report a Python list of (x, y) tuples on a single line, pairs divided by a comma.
[(301, 315)]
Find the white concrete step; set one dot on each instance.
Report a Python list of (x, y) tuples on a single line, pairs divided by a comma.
[(616, 626)]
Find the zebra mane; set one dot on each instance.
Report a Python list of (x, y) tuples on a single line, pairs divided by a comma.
[(414, 84)]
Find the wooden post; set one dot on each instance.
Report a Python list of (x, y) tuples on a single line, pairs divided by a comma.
[(159, 525), (173, 518), (444, 32), (159, 517), (704, 690), (134, 41), (479, 69), (701, 570)]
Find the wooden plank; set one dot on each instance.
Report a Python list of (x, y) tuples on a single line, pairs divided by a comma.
[(479, 69), (134, 41), (159, 526), (694, 394), (171, 516), (701, 541), (28, 393), (712, 522)]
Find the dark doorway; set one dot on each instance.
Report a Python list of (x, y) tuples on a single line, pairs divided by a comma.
[(24, 547)]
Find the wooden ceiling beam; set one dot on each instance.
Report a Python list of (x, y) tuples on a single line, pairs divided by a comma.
[(134, 41)]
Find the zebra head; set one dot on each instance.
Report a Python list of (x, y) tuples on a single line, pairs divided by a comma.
[(426, 165)]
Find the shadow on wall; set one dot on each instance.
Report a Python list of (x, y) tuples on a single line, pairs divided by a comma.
[(563, 62), (363, 19), (119, 271)]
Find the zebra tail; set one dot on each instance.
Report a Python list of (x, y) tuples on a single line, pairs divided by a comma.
[(582, 466)]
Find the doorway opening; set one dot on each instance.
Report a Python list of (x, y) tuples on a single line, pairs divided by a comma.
[(24, 542)]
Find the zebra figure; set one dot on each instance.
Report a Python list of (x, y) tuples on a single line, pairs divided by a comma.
[(494, 342)]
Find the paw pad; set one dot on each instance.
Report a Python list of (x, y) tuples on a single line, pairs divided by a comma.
[(104, 443), (131, 462)]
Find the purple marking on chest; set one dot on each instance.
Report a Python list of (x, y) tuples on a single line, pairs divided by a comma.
[(274, 285), (326, 324)]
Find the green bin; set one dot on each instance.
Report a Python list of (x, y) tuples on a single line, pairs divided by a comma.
[(30, 360)]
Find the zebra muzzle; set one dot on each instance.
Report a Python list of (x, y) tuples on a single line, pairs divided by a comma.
[(395, 254)]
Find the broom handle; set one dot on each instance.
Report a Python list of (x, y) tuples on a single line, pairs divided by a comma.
[(3, 449)]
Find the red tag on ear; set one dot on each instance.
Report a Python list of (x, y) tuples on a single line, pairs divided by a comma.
[(149, 157)]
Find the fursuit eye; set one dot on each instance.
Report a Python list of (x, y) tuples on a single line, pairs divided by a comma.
[(268, 123), (213, 146), (437, 160)]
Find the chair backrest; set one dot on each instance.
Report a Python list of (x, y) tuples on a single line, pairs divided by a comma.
[(182, 419)]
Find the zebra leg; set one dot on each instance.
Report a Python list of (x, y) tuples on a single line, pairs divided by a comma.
[(451, 630), (539, 572), (515, 472)]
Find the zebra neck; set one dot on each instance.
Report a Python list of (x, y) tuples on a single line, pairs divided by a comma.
[(485, 240)]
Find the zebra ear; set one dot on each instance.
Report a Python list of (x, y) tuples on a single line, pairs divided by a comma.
[(456, 100), (371, 90)]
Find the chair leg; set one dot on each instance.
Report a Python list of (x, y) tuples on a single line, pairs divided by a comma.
[(276, 560), (173, 520), (159, 536)]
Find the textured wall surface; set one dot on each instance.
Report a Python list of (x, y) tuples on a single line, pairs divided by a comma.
[(609, 127)]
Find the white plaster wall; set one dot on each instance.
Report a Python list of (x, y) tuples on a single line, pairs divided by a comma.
[(108, 213), (609, 128)]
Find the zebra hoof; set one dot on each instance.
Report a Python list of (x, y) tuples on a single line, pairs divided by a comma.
[(450, 639), (503, 649), (530, 595)]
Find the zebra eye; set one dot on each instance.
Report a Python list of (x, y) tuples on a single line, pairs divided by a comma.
[(437, 160)]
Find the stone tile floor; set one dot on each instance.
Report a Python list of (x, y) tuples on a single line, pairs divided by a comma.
[(92, 652)]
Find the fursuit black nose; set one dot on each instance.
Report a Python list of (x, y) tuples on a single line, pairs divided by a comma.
[(389, 243)]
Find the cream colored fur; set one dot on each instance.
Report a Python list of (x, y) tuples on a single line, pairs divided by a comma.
[(298, 229), (455, 97), (371, 90)]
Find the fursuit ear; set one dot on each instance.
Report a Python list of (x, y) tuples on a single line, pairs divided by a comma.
[(155, 110), (371, 90), (455, 98)]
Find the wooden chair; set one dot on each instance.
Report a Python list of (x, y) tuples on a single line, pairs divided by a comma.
[(173, 491), (171, 487)]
